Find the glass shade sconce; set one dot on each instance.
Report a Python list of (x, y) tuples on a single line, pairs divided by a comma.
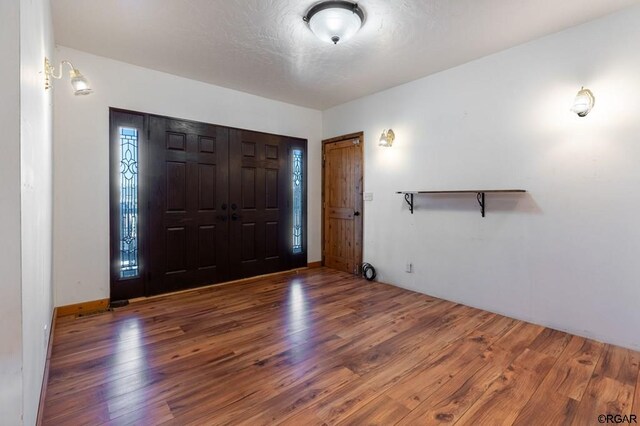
[(583, 103), (386, 138), (79, 82)]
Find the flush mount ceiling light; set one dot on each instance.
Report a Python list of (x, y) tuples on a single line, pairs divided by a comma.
[(335, 21), (386, 138), (78, 81), (583, 103)]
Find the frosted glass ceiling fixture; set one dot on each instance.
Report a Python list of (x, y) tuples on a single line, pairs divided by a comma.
[(583, 103), (335, 21), (78, 81)]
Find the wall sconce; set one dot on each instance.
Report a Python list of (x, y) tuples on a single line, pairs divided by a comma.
[(386, 138), (78, 81), (583, 103)]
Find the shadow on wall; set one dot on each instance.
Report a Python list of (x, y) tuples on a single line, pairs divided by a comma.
[(516, 202)]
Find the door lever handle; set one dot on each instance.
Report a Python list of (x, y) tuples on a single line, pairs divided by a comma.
[(356, 213)]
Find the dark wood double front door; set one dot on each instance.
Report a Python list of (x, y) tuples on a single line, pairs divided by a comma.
[(218, 206)]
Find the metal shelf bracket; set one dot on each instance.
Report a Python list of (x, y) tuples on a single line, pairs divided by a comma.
[(480, 197), (409, 199)]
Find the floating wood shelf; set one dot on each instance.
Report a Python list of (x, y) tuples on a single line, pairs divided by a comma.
[(480, 195)]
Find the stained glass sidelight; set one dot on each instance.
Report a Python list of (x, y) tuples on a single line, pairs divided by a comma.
[(297, 200), (128, 203)]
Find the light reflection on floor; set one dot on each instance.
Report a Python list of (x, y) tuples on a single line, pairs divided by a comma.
[(128, 364), (297, 315)]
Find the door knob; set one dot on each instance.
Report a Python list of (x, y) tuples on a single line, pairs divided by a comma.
[(233, 207), (235, 216), (224, 206), (356, 213)]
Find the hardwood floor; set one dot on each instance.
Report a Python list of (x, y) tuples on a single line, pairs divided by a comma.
[(323, 347)]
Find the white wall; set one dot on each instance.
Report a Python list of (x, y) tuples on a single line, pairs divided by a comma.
[(564, 255), (81, 173), (26, 207), (10, 286), (36, 138)]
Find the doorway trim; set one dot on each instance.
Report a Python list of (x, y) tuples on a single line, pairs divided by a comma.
[(359, 238)]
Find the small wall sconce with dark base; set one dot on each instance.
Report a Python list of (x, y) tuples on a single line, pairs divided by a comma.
[(583, 103), (78, 81)]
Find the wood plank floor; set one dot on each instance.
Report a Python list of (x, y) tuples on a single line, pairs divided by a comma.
[(322, 347)]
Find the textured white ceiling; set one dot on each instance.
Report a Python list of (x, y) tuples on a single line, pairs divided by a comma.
[(263, 46)]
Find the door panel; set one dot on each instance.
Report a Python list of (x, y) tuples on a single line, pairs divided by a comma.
[(128, 246), (258, 200), (188, 216), (342, 209)]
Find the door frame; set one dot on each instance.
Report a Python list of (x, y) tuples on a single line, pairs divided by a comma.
[(359, 236), (293, 261)]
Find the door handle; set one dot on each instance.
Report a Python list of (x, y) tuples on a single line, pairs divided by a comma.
[(235, 216), (224, 206), (233, 207), (356, 213)]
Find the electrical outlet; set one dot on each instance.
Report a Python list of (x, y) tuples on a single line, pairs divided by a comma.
[(409, 267), (368, 196)]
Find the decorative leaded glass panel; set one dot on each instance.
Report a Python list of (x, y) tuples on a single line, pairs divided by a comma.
[(296, 179), (128, 203)]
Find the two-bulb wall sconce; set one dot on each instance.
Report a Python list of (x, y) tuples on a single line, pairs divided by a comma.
[(583, 103), (386, 138), (78, 81)]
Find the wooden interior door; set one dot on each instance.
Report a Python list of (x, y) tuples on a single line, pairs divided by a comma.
[(259, 195), (342, 203), (188, 208)]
